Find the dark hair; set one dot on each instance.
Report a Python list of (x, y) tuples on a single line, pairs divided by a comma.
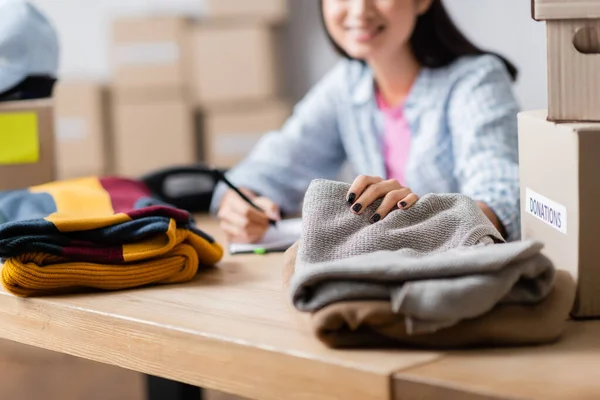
[(436, 40)]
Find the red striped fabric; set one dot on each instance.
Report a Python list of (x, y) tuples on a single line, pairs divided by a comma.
[(124, 193)]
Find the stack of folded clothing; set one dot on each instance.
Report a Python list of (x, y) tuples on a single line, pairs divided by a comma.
[(437, 275), (96, 233)]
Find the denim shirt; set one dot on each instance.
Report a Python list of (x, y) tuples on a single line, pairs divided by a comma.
[(463, 123)]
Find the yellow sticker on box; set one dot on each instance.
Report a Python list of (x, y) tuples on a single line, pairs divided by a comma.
[(19, 139)]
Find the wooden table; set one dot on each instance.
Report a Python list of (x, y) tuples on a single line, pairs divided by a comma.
[(569, 369), (232, 329)]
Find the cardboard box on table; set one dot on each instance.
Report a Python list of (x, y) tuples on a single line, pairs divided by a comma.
[(151, 131), (82, 129), (573, 52), (26, 143), (559, 175)]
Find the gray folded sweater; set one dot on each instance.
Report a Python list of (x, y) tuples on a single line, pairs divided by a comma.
[(439, 262)]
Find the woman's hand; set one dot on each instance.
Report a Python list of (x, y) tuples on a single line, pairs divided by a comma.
[(241, 222), (366, 189), (492, 217)]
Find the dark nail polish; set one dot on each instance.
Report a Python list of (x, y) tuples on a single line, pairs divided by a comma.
[(351, 198), (403, 204), (375, 218), (357, 207)]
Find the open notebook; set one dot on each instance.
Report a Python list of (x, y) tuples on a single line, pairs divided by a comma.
[(278, 238)]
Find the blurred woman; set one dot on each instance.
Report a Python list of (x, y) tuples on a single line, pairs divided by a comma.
[(413, 106)]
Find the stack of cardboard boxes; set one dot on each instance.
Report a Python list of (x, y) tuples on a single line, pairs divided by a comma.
[(188, 90), (202, 87), (560, 149)]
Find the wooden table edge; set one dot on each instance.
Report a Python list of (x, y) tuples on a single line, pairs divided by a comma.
[(22, 320), (406, 386)]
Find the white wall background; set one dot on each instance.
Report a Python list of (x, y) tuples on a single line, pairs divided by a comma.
[(83, 27), (504, 26)]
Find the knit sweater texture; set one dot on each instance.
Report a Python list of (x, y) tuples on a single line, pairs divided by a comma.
[(437, 263)]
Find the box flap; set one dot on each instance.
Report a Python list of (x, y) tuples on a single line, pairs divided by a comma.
[(35, 104), (565, 9), (133, 94), (269, 11)]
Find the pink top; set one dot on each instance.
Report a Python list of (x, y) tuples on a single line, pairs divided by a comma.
[(396, 140)]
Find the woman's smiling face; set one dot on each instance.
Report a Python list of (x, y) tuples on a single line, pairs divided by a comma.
[(366, 29)]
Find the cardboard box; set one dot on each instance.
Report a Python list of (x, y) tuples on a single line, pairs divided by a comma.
[(81, 126), (229, 134), (559, 167), (150, 51), (208, 62), (148, 135), (573, 49), (26, 143), (565, 9), (267, 11), (233, 63)]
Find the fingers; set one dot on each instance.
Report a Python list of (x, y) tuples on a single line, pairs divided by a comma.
[(408, 201), (241, 222), (367, 189), (373, 192), (239, 206), (242, 216), (390, 201), (236, 210), (269, 207), (240, 235), (245, 221), (359, 185)]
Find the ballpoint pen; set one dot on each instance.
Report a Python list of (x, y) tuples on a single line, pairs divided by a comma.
[(222, 177)]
